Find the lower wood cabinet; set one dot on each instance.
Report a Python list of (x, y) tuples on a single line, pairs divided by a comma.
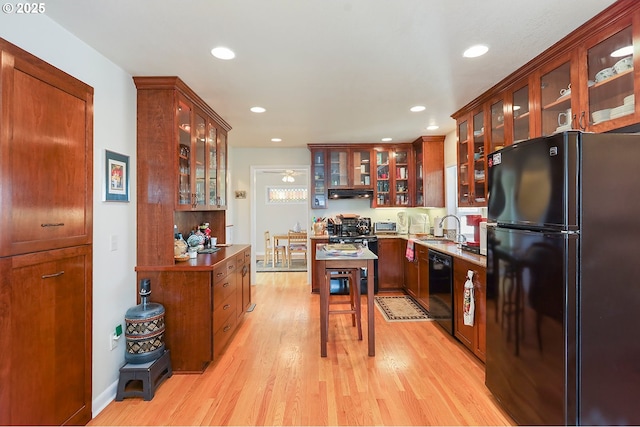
[(390, 263), (203, 305), (422, 253), (317, 275), (411, 283), (473, 337), (45, 336)]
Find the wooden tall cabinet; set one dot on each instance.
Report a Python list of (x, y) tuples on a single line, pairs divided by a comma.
[(46, 201), (181, 166)]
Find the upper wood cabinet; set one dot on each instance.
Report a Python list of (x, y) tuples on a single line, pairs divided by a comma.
[(350, 167), (318, 195), (47, 186), (183, 144), (429, 171), (589, 81)]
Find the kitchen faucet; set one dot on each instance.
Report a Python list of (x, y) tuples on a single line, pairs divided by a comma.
[(459, 237)]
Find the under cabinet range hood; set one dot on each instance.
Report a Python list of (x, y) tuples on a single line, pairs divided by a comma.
[(350, 193)]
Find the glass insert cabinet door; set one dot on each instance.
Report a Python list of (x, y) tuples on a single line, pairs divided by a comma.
[(212, 164), (184, 154), (401, 188), (338, 168), (222, 169), (463, 164), (521, 116), (479, 187), (610, 79), (497, 128), (361, 167), (556, 114), (200, 151), (319, 189), (383, 193)]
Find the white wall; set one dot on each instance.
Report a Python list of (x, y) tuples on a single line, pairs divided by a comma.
[(114, 287)]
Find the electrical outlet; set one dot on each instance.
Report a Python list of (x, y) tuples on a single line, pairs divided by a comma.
[(113, 341), (114, 242)]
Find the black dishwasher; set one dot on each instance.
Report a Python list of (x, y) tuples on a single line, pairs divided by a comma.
[(441, 289)]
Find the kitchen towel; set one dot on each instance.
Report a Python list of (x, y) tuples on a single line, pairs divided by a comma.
[(468, 303), (410, 253)]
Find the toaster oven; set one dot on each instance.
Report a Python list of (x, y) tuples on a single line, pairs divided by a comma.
[(385, 227)]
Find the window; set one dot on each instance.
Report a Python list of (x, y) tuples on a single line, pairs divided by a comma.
[(286, 195)]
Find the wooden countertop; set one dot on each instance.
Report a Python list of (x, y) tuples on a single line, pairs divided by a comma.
[(204, 262)]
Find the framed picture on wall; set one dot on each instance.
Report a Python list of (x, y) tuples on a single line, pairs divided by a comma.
[(116, 177)]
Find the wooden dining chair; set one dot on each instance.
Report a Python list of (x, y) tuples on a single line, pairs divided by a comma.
[(273, 252), (297, 244)]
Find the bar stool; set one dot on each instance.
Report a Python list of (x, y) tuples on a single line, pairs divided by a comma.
[(354, 302)]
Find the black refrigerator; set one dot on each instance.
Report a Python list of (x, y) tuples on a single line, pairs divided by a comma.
[(563, 279)]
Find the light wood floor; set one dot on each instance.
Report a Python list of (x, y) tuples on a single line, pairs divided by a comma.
[(272, 373)]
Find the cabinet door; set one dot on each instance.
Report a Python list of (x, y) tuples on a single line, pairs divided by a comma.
[(383, 181), (361, 159), (46, 375), (200, 161), (185, 156), (212, 164), (222, 170), (411, 283), (556, 113), (338, 168), (390, 270), (318, 184), (477, 157), (610, 101), (466, 334), (520, 117), (498, 134), (46, 149), (402, 195), (423, 276), (480, 294), (463, 148)]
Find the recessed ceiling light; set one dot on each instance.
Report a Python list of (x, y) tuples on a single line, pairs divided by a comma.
[(222, 53), (475, 51), (418, 108), (386, 139), (258, 109), (623, 51), (432, 127), (276, 139)]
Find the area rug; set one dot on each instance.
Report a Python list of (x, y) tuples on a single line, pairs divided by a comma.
[(401, 308), (296, 265)]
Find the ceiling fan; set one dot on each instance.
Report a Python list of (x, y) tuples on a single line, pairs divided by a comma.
[(287, 175)]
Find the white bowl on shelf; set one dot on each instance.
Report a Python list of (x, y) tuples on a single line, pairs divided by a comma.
[(605, 74), (601, 115), (623, 65)]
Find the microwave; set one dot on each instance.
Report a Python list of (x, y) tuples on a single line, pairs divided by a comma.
[(385, 227)]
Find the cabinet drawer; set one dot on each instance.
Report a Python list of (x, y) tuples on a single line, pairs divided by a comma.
[(222, 313), (223, 335), (222, 271), (223, 289), (239, 261)]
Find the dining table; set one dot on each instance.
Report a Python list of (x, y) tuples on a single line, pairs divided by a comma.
[(327, 260)]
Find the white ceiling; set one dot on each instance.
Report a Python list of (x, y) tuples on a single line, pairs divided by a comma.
[(326, 70)]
